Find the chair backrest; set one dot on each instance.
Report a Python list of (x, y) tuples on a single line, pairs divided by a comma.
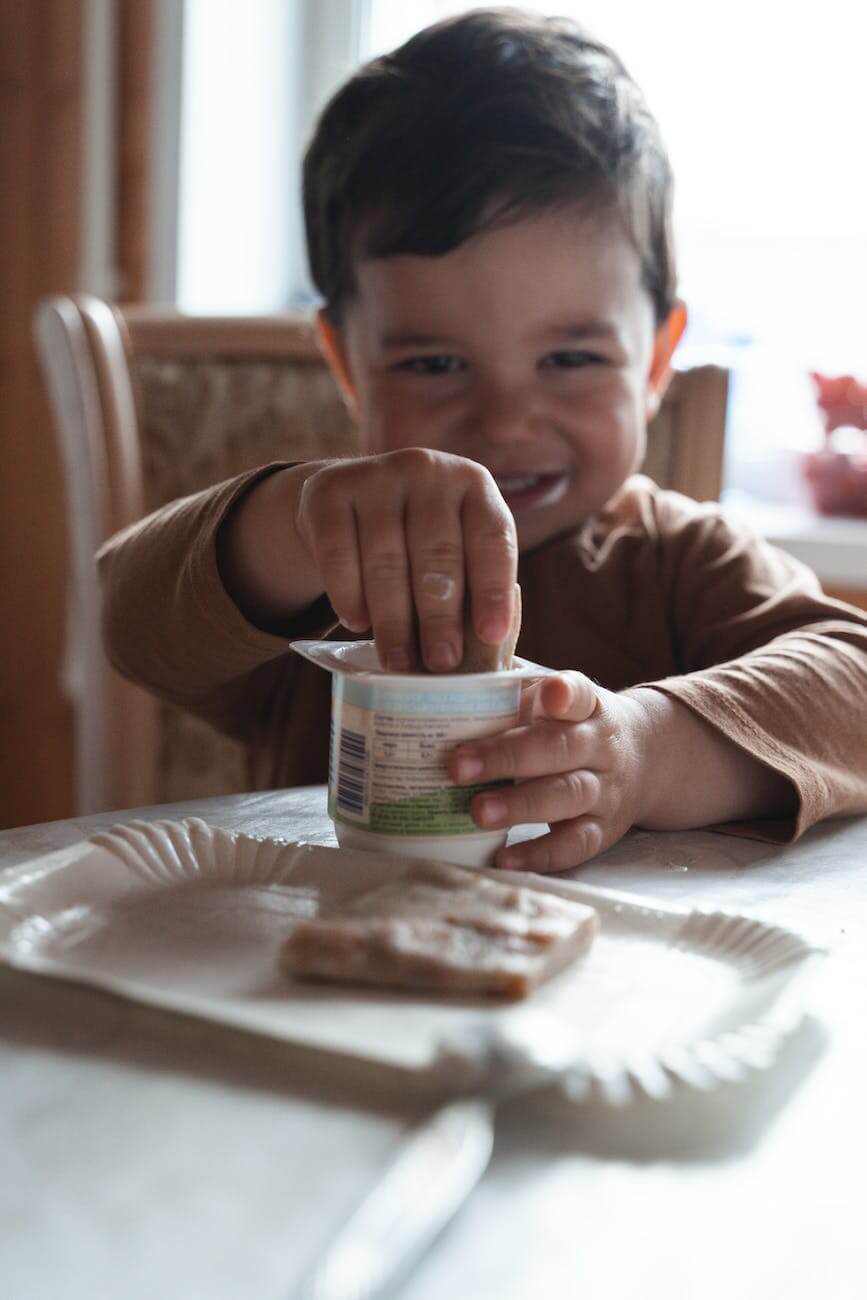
[(151, 405), (685, 441)]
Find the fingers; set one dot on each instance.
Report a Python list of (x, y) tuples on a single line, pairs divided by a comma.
[(462, 546), (326, 521), (385, 574), (564, 765), (398, 538), (491, 556), (460, 537), (565, 846), (528, 751), (569, 697), (548, 739), (545, 799), (436, 552)]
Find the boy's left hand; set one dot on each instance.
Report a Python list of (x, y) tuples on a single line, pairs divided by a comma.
[(576, 760), (592, 764)]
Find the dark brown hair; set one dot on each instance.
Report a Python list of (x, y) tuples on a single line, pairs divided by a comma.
[(476, 121)]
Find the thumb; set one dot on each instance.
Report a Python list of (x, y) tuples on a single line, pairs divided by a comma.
[(565, 697)]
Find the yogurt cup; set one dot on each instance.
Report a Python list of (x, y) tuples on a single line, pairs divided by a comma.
[(388, 789)]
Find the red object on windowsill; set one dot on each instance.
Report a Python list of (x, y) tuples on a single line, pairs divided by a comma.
[(837, 477), (837, 481)]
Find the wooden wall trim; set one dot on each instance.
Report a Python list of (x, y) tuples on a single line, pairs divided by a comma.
[(41, 141), (135, 35)]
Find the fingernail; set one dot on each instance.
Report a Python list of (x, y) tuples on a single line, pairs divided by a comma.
[(511, 860), (397, 661), (492, 810), (441, 656), (470, 767)]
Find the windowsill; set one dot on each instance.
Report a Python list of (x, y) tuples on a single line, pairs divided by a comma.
[(835, 548)]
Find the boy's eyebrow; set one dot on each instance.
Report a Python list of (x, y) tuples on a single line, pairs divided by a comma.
[(410, 339), (575, 331), (578, 330)]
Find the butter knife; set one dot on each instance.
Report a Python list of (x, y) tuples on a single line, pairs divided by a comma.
[(440, 1161), (437, 1165)]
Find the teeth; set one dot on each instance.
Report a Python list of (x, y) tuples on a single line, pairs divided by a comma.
[(518, 484)]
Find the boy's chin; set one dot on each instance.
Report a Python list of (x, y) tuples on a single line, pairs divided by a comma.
[(534, 528), (533, 533)]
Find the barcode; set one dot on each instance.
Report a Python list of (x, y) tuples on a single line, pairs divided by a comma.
[(352, 772)]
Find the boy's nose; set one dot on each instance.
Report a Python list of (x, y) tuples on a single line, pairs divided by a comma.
[(505, 413)]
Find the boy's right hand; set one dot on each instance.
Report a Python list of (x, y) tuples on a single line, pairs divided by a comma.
[(398, 538), (394, 541)]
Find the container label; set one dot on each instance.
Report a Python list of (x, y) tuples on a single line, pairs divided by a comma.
[(387, 768)]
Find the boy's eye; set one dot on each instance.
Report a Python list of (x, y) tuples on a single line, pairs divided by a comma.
[(433, 365), (569, 360)]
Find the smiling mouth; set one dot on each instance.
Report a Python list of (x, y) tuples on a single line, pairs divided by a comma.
[(518, 482), (524, 491)]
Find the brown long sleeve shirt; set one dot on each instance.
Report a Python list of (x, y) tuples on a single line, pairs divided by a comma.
[(657, 590)]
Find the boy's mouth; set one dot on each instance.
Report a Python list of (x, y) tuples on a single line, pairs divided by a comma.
[(528, 491)]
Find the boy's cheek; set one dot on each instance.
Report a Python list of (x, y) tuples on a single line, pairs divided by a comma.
[(391, 421), (384, 427)]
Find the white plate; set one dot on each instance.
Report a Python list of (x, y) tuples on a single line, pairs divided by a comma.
[(186, 917)]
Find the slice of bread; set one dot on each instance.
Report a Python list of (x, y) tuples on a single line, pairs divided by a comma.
[(443, 929)]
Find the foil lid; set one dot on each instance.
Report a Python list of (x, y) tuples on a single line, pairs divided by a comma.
[(359, 659)]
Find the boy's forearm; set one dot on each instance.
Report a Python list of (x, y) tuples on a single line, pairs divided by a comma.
[(695, 776), (263, 561)]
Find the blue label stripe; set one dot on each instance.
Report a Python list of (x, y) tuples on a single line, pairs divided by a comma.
[(388, 699)]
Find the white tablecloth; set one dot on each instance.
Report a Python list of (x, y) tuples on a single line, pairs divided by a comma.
[(145, 1156)]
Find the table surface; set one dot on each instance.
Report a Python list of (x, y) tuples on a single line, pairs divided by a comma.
[(147, 1155)]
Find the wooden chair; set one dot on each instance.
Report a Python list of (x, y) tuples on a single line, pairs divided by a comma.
[(685, 441), (151, 405)]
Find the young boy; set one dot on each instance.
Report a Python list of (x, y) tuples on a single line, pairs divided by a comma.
[(488, 220)]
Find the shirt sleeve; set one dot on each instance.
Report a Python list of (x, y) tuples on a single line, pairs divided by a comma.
[(767, 659), (170, 625)]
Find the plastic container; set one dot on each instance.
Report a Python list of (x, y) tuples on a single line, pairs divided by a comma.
[(388, 789)]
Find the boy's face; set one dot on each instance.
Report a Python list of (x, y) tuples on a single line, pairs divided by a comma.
[(530, 348)]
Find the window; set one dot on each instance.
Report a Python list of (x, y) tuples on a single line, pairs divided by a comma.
[(252, 78)]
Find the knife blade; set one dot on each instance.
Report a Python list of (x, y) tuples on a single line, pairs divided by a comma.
[(437, 1165)]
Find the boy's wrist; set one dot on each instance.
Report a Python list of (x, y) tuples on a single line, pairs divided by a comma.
[(647, 725), (263, 560), (678, 763), (693, 775)]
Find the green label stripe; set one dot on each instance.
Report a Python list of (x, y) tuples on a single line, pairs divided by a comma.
[(439, 812)]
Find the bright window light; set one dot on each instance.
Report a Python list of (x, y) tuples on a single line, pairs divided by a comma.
[(235, 190)]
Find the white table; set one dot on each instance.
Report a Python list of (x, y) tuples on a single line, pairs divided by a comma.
[(148, 1156)]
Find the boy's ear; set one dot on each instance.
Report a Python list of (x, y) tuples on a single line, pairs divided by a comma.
[(668, 335), (333, 348)]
